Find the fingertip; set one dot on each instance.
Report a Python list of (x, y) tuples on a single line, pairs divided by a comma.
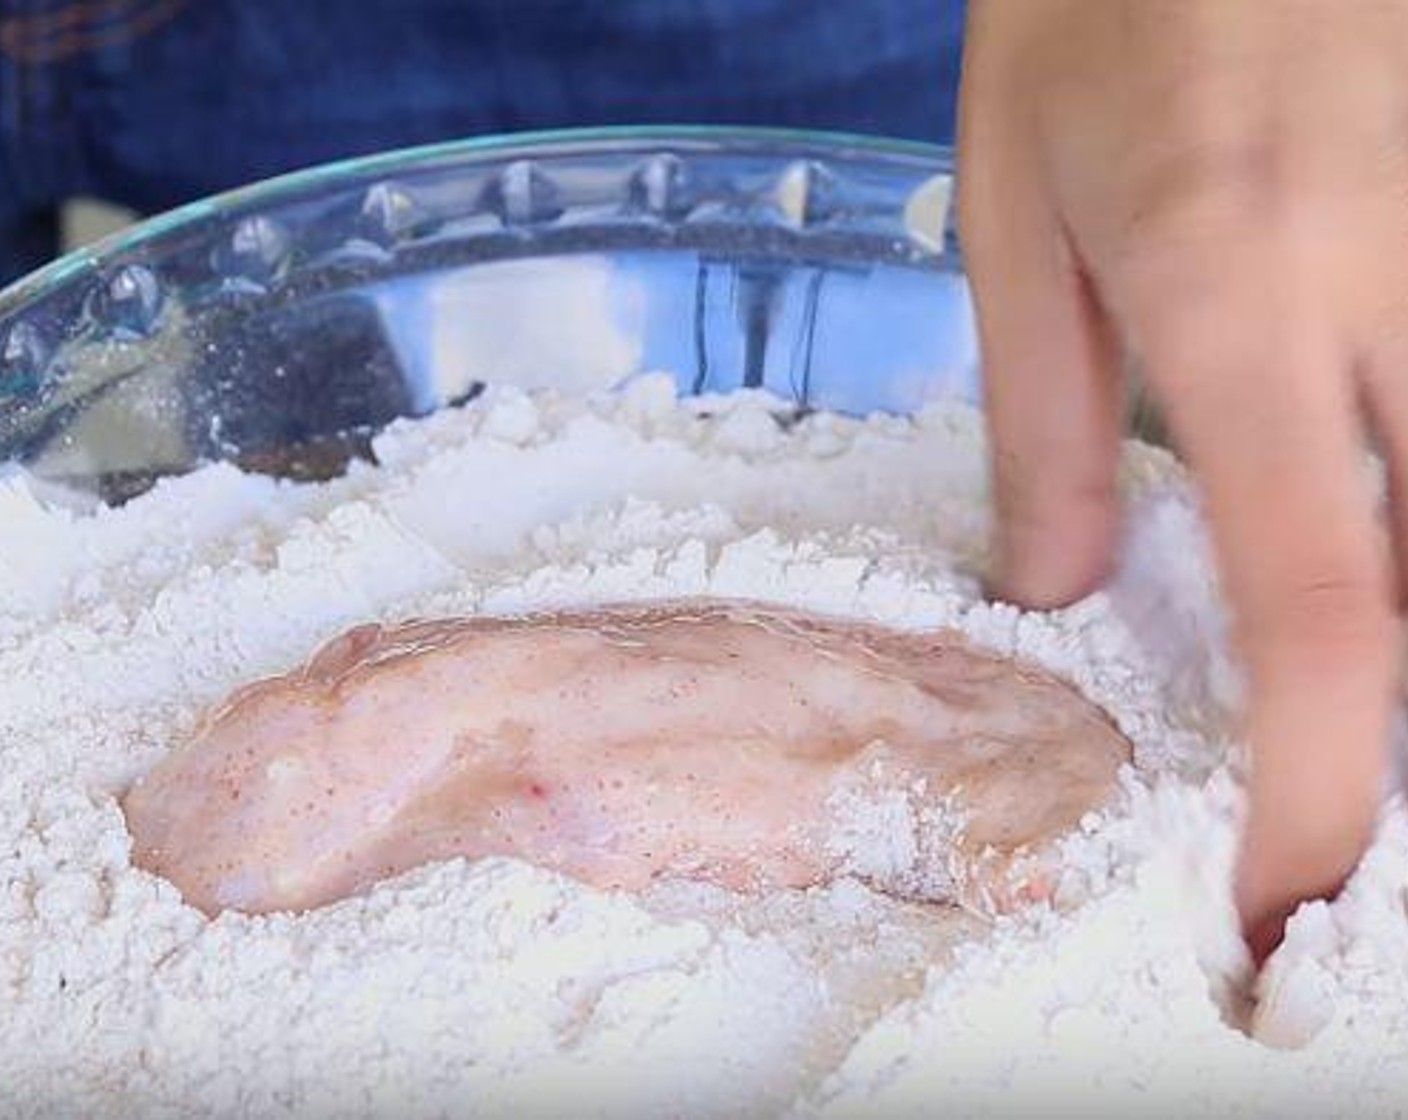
[(1050, 557), (1262, 921), (1044, 579), (1263, 931), (1268, 890)]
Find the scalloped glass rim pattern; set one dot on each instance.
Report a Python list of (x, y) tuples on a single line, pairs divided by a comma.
[(91, 259)]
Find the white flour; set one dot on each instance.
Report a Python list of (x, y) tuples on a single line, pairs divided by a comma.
[(496, 988)]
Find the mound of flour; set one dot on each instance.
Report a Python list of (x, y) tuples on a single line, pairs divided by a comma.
[(497, 988)]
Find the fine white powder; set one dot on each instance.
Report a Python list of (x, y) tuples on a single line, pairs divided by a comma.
[(497, 988)]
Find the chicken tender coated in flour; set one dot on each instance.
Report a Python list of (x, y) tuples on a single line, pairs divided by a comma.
[(748, 746)]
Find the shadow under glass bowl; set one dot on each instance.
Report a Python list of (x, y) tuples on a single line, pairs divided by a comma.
[(280, 325)]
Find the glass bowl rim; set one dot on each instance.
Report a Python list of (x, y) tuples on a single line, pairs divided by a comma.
[(88, 259)]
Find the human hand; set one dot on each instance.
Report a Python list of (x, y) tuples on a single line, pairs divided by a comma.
[(1219, 191)]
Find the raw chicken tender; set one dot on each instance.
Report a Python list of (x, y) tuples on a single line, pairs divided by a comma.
[(749, 746)]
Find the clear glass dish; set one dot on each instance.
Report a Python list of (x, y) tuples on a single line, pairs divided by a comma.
[(280, 325)]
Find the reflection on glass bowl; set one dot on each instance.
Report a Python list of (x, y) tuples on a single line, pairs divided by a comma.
[(279, 325)]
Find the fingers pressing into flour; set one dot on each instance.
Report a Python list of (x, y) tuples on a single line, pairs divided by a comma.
[(1277, 448), (1052, 395), (1230, 178)]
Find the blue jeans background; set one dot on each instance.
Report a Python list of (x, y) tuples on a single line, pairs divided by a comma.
[(151, 103)]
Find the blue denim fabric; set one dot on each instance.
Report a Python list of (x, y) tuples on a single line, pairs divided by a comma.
[(153, 102)]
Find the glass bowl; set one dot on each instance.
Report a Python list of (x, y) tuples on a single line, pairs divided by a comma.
[(279, 326)]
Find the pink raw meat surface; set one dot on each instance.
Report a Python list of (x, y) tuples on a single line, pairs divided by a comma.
[(695, 739)]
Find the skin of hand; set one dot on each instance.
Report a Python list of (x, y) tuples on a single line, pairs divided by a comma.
[(1216, 191)]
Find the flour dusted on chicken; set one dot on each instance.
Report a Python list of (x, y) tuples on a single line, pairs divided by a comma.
[(495, 987), (697, 738)]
